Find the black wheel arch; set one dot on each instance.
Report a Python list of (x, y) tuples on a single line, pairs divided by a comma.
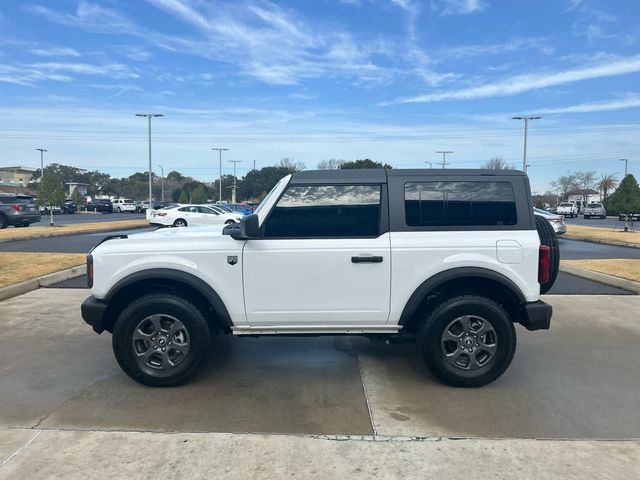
[(167, 279), (460, 281)]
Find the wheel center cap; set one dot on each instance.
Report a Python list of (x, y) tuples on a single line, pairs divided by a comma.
[(162, 341), (468, 342)]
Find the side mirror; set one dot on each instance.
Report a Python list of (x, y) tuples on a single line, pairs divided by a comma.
[(248, 228)]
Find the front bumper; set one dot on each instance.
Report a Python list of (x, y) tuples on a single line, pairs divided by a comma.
[(93, 312), (537, 315)]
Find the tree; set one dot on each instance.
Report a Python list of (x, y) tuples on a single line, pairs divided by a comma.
[(198, 195), (51, 190), (606, 183), (498, 163), (366, 163), (174, 176), (183, 198), (291, 165), (585, 180), (626, 199), (331, 164), (565, 184), (77, 198)]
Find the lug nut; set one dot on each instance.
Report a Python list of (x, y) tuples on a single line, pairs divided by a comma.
[(163, 349)]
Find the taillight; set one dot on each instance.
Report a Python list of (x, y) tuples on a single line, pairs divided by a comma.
[(544, 263), (162, 214), (90, 270), (17, 207)]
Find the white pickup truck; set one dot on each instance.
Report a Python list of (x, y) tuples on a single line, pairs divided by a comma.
[(449, 259), (568, 209)]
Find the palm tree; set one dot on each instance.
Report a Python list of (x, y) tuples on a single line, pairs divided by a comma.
[(606, 183)]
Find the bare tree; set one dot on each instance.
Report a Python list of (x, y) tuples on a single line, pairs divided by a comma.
[(498, 163), (586, 180), (565, 184), (291, 165), (331, 164)]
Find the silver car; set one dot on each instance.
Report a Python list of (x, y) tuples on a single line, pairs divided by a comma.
[(556, 221), (594, 209)]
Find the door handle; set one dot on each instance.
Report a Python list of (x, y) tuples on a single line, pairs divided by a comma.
[(366, 259)]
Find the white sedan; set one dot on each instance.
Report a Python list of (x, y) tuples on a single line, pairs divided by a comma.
[(185, 215)]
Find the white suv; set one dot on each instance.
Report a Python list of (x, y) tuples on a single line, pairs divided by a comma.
[(121, 205), (449, 259)]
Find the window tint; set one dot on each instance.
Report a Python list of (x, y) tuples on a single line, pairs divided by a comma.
[(8, 199), (326, 211), (459, 203), (208, 210)]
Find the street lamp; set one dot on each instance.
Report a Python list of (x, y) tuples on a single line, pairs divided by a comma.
[(149, 116), (234, 179), (622, 160), (430, 164), (526, 119), (220, 150), (444, 156), (162, 184)]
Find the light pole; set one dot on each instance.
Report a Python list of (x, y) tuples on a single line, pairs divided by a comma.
[(622, 160), (41, 150), (526, 119), (149, 117), (220, 150), (444, 156), (161, 184), (430, 164), (233, 200)]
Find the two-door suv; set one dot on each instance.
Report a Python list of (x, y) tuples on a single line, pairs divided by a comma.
[(448, 259)]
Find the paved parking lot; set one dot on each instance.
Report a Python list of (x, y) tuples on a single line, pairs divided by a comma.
[(609, 222), (55, 373), (73, 218)]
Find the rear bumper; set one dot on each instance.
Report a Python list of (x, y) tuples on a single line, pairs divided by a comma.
[(93, 312), (537, 315), (23, 219)]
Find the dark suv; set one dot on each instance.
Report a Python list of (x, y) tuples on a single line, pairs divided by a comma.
[(103, 205), (18, 211)]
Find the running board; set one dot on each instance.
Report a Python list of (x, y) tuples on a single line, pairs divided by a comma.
[(314, 329)]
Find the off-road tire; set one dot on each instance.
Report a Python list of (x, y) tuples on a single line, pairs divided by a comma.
[(549, 238), (161, 303), (431, 347)]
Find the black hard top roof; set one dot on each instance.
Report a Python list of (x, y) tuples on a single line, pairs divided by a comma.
[(379, 175)]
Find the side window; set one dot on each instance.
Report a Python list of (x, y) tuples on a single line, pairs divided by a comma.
[(459, 203), (326, 211), (184, 209), (207, 210)]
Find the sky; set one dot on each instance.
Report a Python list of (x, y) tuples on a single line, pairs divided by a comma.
[(391, 80)]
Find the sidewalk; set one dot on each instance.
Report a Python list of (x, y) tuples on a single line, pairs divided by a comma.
[(58, 454)]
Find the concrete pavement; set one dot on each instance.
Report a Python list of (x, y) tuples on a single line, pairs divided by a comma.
[(330, 405)]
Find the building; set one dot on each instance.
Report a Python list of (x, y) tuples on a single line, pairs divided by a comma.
[(15, 179), (77, 186), (584, 196)]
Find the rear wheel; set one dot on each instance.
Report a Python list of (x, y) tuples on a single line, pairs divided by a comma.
[(549, 238), (180, 223), (161, 340), (467, 341), (3, 222)]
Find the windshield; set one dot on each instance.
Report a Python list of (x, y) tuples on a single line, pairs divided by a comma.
[(566, 204), (224, 208)]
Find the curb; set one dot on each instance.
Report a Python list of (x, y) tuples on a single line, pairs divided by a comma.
[(43, 281), (85, 232), (616, 243), (602, 278)]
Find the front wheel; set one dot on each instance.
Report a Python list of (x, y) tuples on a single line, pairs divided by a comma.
[(161, 340), (467, 341)]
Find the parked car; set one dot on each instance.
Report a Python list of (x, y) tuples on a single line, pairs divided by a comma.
[(568, 209), (387, 254), (242, 208), (594, 209), (103, 205), (556, 221), (122, 205), (185, 215), (630, 216), (16, 211), (69, 206), (143, 206)]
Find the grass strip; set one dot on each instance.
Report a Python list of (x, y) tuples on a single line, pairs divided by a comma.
[(17, 267)]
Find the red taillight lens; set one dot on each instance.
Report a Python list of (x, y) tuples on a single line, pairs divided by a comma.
[(17, 207), (544, 264), (162, 214)]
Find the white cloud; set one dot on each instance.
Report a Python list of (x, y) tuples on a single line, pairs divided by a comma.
[(55, 52), (29, 74), (461, 7), (513, 44), (530, 81), (630, 101)]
